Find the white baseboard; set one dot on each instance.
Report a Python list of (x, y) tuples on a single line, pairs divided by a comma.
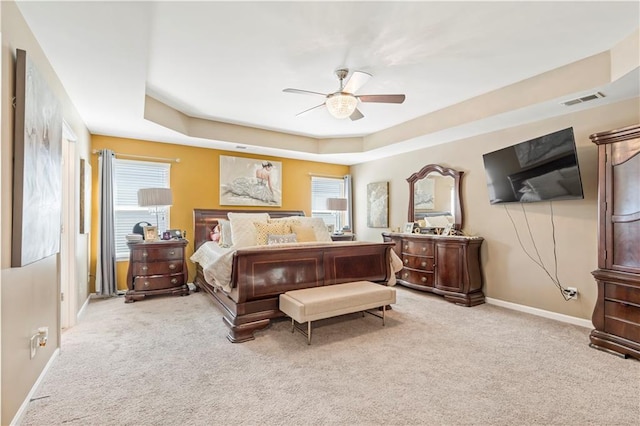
[(81, 311), (540, 312), (23, 408)]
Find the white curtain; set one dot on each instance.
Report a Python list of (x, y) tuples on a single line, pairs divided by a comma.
[(106, 282)]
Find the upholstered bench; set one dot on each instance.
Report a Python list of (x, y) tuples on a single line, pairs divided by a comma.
[(311, 304)]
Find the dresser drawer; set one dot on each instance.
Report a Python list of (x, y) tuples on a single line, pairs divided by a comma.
[(423, 248), (418, 262), (417, 277), (157, 268), (157, 282), (157, 253), (623, 293), (622, 320)]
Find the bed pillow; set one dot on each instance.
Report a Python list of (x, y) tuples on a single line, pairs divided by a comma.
[(243, 230), (548, 185), (281, 239), (224, 228), (438, 221), (264, 229), (303, 233), (319, 227)]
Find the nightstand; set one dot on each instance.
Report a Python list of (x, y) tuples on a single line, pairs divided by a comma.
[(343, 237), (156, 267)]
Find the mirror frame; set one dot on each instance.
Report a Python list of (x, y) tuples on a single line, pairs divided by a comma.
[(444, 171)]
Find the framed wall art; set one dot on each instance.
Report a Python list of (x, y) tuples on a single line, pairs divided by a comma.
[(378, 205), (37, 169), (250, 182)]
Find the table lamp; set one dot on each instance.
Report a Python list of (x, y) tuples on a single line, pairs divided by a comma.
[(156, 199), (337, 205)]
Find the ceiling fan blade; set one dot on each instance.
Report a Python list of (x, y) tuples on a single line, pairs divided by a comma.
[(303, 92), (389, 99), (356, 81), (356, 115), (310, 109)]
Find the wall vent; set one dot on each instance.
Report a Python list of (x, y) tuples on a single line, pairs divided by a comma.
[(587, 98)]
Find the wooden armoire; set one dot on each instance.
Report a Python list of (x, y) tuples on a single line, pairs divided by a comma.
[(616, 316)]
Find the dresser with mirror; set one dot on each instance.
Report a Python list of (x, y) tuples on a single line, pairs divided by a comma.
[(448, 265)]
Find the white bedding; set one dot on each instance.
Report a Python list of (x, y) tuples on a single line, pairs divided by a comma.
[(216, 262)]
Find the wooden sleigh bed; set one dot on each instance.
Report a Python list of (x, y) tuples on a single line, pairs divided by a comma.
[(260, 274)]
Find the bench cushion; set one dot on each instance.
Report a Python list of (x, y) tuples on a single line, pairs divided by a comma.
[(315, 303)]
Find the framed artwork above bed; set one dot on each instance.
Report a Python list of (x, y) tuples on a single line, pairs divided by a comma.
[(250, 182)]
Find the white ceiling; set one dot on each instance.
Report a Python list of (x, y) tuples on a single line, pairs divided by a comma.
[(229, 61)]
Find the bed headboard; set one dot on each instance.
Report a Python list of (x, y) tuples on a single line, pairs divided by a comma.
[(204, 220)]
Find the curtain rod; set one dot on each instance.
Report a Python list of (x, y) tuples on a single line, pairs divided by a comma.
[(143, 157), (325, 176)]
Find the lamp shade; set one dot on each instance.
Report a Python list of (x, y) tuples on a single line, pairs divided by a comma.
[(341, 105), (337, 204), (154, 197)]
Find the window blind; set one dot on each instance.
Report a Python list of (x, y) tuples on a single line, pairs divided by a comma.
[(129, 176)]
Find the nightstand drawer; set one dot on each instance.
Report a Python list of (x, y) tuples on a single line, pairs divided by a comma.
[(418, 262), (145, 254), (157, 282), (157, 268), (417, 277), (423, 248)]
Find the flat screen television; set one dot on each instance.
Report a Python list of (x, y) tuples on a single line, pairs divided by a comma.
[(541, 169)]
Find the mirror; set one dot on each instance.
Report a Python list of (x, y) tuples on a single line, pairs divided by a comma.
[(434, 192)]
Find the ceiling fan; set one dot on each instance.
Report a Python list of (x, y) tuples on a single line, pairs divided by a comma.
[(344, 102)]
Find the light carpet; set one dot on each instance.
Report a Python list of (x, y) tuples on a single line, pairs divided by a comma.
[(166, 361)]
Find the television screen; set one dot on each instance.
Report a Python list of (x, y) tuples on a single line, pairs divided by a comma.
[(540, 169)]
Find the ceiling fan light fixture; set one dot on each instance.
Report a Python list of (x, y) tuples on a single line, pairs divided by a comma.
[(341, 104)]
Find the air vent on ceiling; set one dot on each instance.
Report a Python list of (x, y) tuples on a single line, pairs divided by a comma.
[(583, 99)]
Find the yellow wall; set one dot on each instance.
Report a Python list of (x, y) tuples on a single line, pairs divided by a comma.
[(195, 182)]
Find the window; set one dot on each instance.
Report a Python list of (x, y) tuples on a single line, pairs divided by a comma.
[(129, 176), (321, 189)]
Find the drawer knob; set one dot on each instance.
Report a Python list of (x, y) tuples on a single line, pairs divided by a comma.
[(406, 261), (174, 280), (406, 246), (423, 279), (144, 268), (145, 254), (172, 252), (146, 283), (424, 248), (405, 275), (423, 264), (172, 266)]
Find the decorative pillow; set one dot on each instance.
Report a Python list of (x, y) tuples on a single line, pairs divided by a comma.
[(214, 235), (319, 227), (304, 233), (287, 221), (263, 230), (281, 239), (224, 227), (243, 230)]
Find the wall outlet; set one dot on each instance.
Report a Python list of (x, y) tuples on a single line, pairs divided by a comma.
[(571, 293)]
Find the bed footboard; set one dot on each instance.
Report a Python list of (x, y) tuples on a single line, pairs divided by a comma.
[(260, 276)]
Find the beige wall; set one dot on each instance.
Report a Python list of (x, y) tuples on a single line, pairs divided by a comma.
[(509, 275), (29, 294)]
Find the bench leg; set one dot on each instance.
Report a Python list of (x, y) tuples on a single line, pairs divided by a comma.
[(377, 315)]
